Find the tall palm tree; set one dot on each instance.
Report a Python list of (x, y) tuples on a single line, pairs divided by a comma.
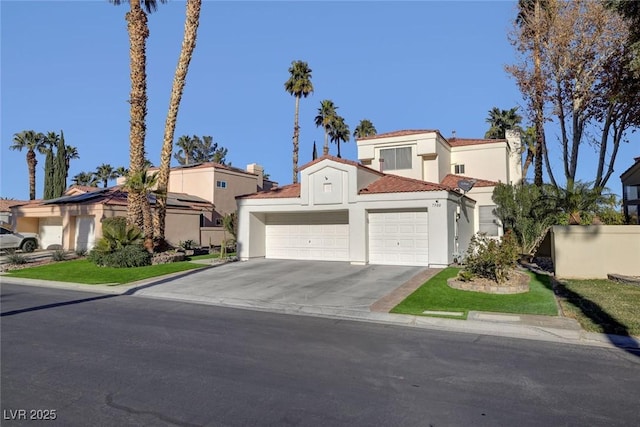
[(104, 173), (31, 141), (364, 129), (86, 179), (138, 31), (326, 114), (299, 84), (502, 120), (70, 154), (339, 132), (192, 20)]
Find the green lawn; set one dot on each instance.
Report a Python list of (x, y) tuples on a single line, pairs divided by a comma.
[(435, 295), (602, 306), (84, 271)]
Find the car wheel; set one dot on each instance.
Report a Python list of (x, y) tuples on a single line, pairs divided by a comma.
[(29, 246)]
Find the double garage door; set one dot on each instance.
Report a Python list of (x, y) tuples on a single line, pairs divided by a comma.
[(312, 236), (394, 237)]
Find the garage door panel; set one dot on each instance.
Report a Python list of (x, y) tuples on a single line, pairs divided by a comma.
[(398, 238), (310, 236)]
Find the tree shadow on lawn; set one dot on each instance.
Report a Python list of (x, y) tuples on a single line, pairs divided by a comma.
[(599, 316)]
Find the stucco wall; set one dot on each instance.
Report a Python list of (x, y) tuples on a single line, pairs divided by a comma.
[(181, 226), (486, 161), (593, 251), (237, 185), (212, 236)]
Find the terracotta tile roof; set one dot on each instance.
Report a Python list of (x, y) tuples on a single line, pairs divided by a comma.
[(400, 184), (341, 160), (6, 205), (287, 191), (451, 180), (399, 133), (460, 142)]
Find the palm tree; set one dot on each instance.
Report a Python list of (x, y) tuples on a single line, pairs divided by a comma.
[(326, 114), (192, 20), (105, 173), (364, 129), (122, 171), (339, 132), (31, 141), (188, 146), (71, 153), (299, 84), (85, 178), (138, 31), (502, 120), (143, 182)]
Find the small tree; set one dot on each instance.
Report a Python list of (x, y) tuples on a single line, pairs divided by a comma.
[(490, 258)]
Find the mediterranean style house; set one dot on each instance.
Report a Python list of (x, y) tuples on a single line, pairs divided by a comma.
[(415, 198)]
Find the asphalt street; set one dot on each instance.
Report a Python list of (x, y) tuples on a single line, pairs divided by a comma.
[(127, 361)]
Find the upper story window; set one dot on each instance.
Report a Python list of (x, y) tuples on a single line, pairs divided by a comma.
[(221, 184), (396, 158), (458, 169), (632, 192)]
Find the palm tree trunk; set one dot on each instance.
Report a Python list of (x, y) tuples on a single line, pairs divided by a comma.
[(138, 32), (338, 141), (31, 164), (325, 149), (296, 135), (192, 20)]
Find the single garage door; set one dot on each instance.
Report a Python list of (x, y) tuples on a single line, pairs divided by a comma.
[(398, 238), (50, 231), (85, 232), (314, 236)]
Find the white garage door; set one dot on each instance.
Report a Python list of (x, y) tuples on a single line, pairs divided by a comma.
[(50, 231), (313, 236), (85, 232), (398, 238)]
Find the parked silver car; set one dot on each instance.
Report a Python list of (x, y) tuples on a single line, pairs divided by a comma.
[(27, 242)]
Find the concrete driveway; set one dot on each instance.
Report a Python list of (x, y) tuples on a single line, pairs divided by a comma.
[(284, 285)]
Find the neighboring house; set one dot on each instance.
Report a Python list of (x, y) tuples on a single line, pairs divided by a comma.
[(74, 221), (5, 209), (218, 184), (631, 193), (400, 206)]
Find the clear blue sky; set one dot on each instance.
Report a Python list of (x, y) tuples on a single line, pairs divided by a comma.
[(403, 65)]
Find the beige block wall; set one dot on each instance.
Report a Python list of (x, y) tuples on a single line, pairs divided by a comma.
[(485, 161), (593, 251)]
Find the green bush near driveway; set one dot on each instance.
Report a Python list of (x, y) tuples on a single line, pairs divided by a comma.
[(436, 295), (84, 271), (602, 306)]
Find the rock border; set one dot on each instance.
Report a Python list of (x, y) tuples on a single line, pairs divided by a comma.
[(517, 284)]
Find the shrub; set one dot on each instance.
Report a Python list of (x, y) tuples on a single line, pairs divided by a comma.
[(127, 256), (490, 258), (81, 252), (59, 255), (187, 244), (16, 258)]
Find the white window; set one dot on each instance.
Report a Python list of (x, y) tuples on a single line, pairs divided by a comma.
[(327, 188), (489, 222), (458, 169), (396, 158), (221, 184)]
